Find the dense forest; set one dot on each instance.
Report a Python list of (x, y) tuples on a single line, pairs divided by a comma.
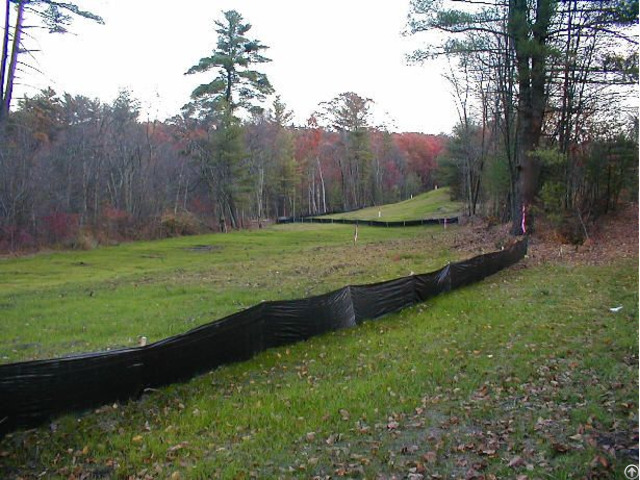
[(548, 128), (75, 170)]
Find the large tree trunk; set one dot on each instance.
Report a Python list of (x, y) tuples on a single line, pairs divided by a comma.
[(530, 48)]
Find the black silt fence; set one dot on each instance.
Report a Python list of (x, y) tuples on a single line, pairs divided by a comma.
[(32, 392), (370, 223)]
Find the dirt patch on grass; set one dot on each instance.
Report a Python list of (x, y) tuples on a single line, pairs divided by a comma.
[(204, 248), (612, 237)]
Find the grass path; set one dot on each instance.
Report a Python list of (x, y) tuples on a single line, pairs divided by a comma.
[(527, 374), (433, 204)]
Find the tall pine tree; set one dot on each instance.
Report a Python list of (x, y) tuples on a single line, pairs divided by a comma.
[(236, 84), (235, 87)]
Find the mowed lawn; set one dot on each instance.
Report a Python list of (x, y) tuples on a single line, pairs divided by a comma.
[(527, 374), (432, 204)]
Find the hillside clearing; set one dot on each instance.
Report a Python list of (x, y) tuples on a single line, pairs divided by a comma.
[(432, 204)]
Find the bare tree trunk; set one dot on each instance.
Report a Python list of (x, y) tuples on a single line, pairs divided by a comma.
[(260, 194), (4, 58), (180, 177), (13, 63), (324, 194), (233, 211), (311, 191)]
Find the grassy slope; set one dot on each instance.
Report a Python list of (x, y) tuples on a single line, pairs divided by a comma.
[(433, 204), (526, 373), (59, 303)]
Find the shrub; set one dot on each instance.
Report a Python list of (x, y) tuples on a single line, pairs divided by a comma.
[(176, 224)]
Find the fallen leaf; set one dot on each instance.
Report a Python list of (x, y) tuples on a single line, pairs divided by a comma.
[(600, 460), (471, 474), (409, 449), (516, 462), (430, 457), (333, 438), (560, 448), (419, 468), (179, 446)]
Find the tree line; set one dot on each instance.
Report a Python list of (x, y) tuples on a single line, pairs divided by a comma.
[(76, 172), (547, 127)]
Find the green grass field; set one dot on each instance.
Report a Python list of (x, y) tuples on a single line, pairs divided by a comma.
[(433, 204), (66, 302), (527, 374)]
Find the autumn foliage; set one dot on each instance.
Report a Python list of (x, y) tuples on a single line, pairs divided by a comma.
[(421, 153), (75, 172)]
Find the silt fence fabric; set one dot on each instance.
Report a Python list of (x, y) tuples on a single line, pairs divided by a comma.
[(371, 223), (34, 391)]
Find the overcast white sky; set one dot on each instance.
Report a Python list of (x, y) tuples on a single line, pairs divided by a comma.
[(319, 50)]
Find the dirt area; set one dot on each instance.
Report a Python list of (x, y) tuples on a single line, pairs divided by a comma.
[(611, 237)]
